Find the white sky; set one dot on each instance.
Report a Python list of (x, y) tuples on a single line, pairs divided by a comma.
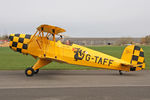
[(81, 18)]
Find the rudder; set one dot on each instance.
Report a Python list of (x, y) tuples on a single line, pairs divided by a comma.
[(134, 55)]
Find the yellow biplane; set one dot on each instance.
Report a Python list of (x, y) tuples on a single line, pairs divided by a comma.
[(47, 50)]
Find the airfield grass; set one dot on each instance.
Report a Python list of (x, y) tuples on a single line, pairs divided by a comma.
[(10, 60)]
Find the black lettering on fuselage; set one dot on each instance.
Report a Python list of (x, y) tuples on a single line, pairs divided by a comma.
[(110, 62), (87, 57), (105, 61), (96, 59), (80, 54), (100, 60)]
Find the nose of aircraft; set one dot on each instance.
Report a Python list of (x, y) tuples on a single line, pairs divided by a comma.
[(18, 42), (14, 41), (11, 37)]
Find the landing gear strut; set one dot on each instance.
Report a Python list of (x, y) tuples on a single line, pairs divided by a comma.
[(120, 72), (36, 71)]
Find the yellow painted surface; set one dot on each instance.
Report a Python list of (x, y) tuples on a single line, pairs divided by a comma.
[(40, 46), (65, 53)]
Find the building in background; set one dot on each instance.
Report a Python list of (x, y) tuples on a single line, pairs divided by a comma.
[(104, 41)]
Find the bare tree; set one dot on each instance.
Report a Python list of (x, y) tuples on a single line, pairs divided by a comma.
[(4, 37), (124, 41), (146, 40)]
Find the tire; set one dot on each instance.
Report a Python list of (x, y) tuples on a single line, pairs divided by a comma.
[(29, 72), (36, 71), (120, 72)]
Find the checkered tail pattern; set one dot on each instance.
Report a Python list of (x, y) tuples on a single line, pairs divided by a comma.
[(138, 57)]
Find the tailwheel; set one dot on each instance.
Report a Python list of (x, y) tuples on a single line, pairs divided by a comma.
[(36, 71), (120, 72), (29, 72)]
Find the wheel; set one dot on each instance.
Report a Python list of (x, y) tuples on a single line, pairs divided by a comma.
[(36, 71), (29, 72), (120, 72)]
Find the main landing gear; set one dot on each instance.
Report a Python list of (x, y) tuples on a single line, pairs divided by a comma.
[(30, 71), (35, 69), (120, 72)]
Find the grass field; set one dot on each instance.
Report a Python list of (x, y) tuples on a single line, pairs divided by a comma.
[(10, 60)]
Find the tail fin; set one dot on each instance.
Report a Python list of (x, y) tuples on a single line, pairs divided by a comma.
[(134, 55)]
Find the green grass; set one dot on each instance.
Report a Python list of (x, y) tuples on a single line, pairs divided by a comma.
[(10, 60)]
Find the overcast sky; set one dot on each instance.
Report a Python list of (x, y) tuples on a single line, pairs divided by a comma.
[(81, 18)]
